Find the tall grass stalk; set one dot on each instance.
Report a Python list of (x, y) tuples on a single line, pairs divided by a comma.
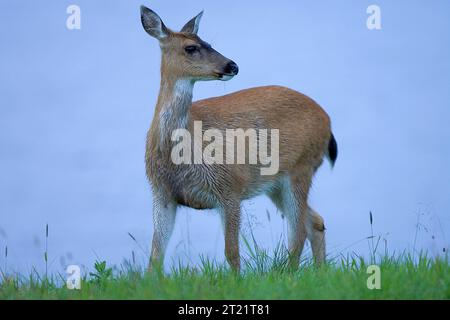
[(6, 262), (139, 245), (46, 252)]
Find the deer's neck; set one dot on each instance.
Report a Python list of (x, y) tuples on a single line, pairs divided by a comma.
[(173, 107)]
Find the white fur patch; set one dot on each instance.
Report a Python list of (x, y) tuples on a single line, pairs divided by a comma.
[(174, 111), (226, 78)]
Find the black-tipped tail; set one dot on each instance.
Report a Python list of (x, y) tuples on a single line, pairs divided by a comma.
[(332, 150)]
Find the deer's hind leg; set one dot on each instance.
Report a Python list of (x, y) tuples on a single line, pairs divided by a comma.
[(315, 228), (315, 231), (291, 202)]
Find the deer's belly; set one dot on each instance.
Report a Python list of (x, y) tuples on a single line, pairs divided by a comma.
[(193, 203), (196, 194), (196, 199)]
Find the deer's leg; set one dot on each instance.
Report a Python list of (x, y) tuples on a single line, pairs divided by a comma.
[(231, 216), (315, 230), (286, 199), (164, 212), (295, 196)]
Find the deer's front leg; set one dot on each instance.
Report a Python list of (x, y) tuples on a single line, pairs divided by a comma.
[(231, 220), (164, 212)]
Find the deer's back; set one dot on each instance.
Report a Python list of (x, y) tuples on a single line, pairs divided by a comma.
[(304, 126)]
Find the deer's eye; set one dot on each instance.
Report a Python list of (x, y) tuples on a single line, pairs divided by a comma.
[(191, 49)]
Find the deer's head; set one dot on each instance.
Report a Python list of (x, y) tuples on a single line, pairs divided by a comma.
[(184, 54)]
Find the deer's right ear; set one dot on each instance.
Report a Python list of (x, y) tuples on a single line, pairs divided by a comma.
[(153, 24), (192, 25)]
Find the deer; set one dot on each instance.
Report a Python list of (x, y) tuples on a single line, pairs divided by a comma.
[(304, 133)]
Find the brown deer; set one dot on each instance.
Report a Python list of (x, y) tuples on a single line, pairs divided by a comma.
[(304, 133)]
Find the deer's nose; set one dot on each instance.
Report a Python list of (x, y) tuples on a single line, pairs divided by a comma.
[(231, 68)]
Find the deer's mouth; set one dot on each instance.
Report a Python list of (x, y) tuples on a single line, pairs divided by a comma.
[(225, 76), (228, 72)]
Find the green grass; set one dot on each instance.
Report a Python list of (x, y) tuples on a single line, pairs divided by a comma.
[(263, 277)]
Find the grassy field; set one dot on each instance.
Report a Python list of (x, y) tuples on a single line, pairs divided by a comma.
[(263, 277)]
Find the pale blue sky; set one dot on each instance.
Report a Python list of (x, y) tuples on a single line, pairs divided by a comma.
[(75, 107)]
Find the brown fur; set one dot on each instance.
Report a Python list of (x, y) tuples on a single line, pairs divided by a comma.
[(304, 129)]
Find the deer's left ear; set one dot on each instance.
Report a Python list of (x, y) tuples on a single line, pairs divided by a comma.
[(153, 24), (192, 25)]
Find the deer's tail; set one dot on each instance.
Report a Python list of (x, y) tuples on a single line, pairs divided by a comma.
[(332, 151)]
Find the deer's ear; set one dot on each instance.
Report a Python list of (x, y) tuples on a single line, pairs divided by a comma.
[(192, 25), (153, 24)]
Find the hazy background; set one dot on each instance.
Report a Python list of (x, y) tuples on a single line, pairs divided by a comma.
[(75, 107)]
